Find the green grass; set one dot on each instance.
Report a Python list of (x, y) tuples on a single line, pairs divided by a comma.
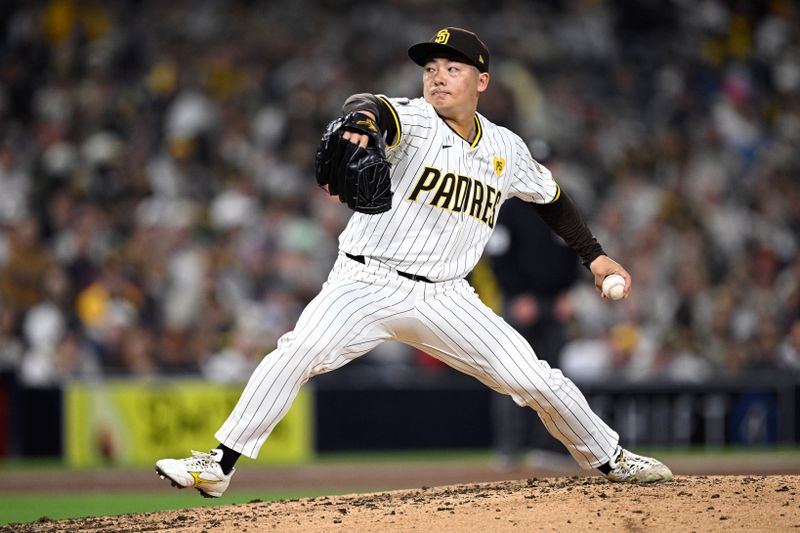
[(56, 506)]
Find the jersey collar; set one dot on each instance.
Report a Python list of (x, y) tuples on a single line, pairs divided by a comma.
[(478, 132)]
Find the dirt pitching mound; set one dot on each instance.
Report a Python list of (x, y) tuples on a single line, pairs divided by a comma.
[(689, 503)]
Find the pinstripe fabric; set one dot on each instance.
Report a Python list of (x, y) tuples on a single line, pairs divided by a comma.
[(446, 194), (344, 321), (362, 305), (442, 244)]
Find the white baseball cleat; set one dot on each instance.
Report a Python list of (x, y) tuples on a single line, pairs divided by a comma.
[(629, 467), (201, 471)]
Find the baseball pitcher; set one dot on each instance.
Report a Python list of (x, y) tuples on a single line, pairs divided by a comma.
[(426, 178)]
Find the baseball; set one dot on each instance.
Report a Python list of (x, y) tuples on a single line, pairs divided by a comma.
[(614, 286)]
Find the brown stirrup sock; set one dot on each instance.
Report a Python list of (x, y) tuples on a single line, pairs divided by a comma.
[(229, 458)]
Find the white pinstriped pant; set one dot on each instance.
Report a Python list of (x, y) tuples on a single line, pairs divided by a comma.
[(362, 305)]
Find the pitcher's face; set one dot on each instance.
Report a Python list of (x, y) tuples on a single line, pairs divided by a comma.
[(452, 87)]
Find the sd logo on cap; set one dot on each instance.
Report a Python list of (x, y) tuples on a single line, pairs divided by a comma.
[(455, 43)]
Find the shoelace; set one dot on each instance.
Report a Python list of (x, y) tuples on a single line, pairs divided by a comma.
[(200, 459), (632, 463), (617, 458)]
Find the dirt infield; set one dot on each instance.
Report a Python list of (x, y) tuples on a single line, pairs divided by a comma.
[(689, 503)]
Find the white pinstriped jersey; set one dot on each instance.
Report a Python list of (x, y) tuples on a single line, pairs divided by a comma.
[(447, 193), (446, 197)]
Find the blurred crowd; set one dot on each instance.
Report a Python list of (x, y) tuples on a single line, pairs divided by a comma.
[(158, 212)]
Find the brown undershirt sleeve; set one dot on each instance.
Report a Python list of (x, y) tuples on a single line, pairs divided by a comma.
[(563, 218), (376, 106)]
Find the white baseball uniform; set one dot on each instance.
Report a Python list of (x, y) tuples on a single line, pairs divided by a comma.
[(447, 192)]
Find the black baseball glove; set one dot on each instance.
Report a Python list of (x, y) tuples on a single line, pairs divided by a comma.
[(359, 176)]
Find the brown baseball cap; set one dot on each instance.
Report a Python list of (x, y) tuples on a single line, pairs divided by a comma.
[(452, 42)]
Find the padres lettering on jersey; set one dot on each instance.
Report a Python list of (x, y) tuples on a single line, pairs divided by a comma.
[(447, 193), (458, 194)]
